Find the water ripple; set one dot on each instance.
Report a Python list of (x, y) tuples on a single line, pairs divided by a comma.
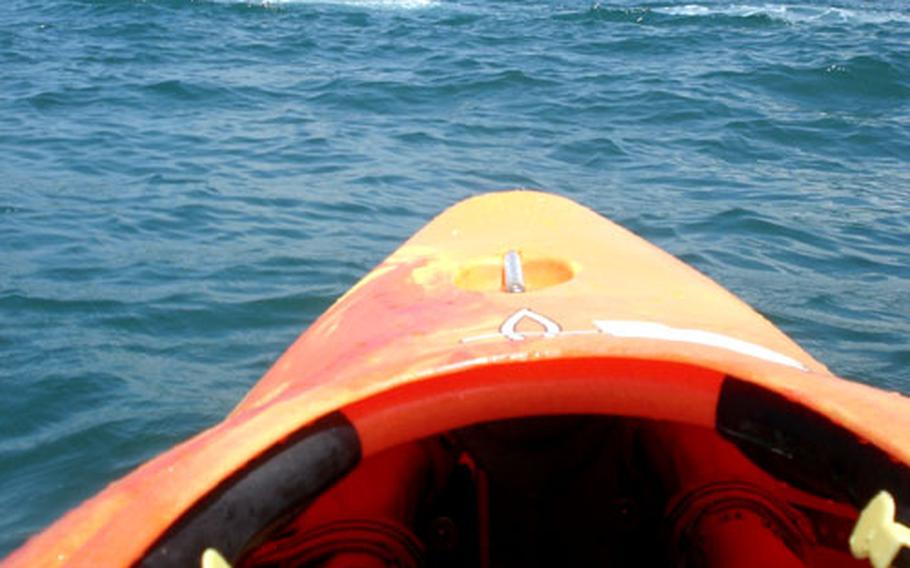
[(187, 184)]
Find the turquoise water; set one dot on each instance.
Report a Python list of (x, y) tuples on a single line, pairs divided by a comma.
[(186, 185)]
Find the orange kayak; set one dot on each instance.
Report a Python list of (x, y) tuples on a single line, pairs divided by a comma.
[(522, 383)]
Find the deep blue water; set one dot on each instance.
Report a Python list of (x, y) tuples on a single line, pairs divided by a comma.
[(186, 185)]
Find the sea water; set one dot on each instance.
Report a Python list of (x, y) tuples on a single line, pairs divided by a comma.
[(185, 185)]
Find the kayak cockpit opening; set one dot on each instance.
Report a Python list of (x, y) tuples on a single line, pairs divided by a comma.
[(572, 490)]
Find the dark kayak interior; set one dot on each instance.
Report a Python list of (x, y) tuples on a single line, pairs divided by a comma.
[(561, 491)]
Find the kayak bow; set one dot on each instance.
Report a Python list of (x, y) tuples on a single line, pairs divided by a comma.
[(522, 382)]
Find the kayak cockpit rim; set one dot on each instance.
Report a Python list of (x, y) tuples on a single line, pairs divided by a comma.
[(793, 442)]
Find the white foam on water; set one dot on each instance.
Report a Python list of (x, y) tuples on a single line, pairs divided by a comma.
[(380, 4), (790, 13), (404, 4)]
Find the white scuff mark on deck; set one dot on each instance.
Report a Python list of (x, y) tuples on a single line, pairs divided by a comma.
[(651, 330)]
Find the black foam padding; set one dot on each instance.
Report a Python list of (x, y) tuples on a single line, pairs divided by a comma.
[(807, 449), (267, 490)]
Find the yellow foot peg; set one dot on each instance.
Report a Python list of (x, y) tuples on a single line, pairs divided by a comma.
[(876, 535)]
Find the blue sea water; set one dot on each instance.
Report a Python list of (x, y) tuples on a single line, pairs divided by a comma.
[(185, 185)]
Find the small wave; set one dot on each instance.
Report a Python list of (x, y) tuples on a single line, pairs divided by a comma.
[(608, 13), (381, 4), (789, 13), (182, 89)]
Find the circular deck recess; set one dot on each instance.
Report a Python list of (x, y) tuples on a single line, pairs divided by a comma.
[(486, 274)]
